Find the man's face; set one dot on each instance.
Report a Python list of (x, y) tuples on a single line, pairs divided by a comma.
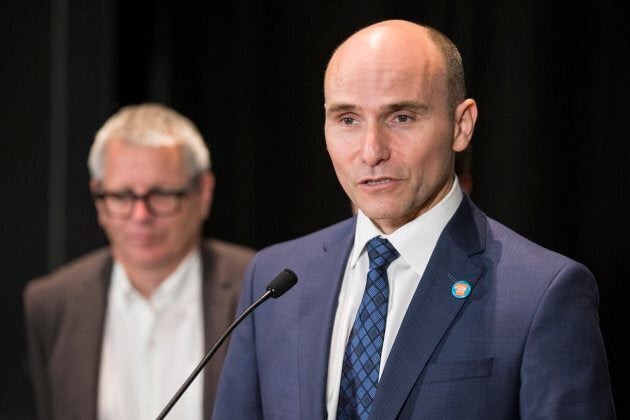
[(143, 240), (389, 130)]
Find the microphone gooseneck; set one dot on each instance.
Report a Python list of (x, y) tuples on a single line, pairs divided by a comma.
[(276, 288)]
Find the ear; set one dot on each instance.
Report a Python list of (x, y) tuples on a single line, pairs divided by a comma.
[(206, 192), (465, 118), (95, 186)]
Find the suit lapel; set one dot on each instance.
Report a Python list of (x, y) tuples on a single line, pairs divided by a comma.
[(215, 295), (84, 350), (322, 283), (219, 294), (432, 309)]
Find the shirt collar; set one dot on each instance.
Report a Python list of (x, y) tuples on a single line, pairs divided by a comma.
[(175, 287), (414, 240)]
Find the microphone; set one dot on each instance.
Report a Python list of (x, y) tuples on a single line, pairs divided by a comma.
[(276, 288)]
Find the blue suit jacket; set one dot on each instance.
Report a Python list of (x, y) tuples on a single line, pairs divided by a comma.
[(525, 343)]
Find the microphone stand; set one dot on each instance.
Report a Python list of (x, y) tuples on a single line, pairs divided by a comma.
[(204, 361)]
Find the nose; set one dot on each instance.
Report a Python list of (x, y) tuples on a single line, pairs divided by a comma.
[(140, 209), (375, 147)]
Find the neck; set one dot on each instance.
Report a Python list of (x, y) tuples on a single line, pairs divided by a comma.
[(146, 281), (147, 278)]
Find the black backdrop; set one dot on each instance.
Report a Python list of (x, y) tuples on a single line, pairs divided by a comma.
[(550, 149)]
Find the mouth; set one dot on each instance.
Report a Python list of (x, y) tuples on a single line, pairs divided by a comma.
[(378, 184), (143, 239), (370, 182), (380, 181)]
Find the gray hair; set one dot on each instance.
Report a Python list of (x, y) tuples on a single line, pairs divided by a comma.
[(150, 125)]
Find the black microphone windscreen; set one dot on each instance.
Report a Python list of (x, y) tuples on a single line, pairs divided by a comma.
[(282, 282)]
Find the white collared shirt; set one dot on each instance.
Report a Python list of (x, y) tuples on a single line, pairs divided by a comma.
[(150, 346), (415, 243)]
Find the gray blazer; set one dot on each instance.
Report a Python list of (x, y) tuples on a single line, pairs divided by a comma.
[(65, 314)]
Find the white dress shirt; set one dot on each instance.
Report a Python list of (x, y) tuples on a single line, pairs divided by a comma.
[(150, 346), (415, 243)]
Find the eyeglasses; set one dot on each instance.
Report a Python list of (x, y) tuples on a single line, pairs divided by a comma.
[(158, 201)]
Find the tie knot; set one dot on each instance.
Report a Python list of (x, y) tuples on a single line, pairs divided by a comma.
[(381, 253)]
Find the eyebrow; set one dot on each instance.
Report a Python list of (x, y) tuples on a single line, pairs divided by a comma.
[(416, 106), (341, 107)]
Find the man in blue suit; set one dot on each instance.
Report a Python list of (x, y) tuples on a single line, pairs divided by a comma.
[(420, 306)]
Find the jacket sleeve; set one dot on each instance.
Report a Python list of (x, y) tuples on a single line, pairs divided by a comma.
[(564, 369)]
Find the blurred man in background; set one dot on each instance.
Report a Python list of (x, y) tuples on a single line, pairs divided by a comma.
[(114, 334)]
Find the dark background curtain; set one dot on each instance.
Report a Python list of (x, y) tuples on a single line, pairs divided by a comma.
[(549, 152)]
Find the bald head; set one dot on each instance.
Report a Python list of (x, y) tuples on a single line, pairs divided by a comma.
[(401, 46), (395, 117)]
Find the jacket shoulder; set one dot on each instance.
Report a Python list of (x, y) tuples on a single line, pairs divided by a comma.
[(518, 250), (62, 283), (226, 256), (227, 250), (225, 263), (505, 251), (307, 245)]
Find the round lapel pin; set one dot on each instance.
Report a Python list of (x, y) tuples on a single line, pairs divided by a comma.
[(461, 289)]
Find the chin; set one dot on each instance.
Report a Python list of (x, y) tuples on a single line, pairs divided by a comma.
[(148, 257), (383, 211)]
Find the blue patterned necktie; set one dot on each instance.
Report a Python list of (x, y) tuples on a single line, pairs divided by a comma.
[(362, 359)]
